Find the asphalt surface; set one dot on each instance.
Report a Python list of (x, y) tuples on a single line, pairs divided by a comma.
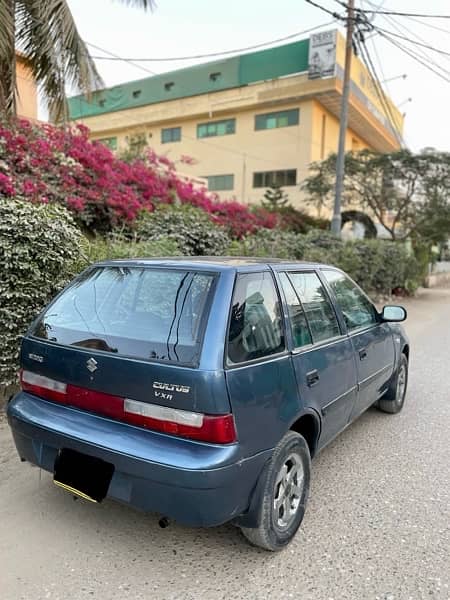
[(376, 527)]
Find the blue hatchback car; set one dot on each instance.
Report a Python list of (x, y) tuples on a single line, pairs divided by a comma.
[(202, 388)]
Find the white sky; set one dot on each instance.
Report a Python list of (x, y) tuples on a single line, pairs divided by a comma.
[(186, 27)]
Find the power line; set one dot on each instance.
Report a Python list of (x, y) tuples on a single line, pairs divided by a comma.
[(402, 37), (401, 14), (117, 57), (414, 56), (214, 54), (430, 25), (421, 57), (330, 12), (401, 27), (428, 58), (380, 64), (379, 89)]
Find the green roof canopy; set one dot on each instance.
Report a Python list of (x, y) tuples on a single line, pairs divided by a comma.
[(209, 77)]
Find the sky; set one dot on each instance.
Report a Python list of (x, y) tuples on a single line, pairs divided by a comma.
[(184, 28)]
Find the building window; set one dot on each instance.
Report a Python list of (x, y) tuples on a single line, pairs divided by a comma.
[(283, 118), (217, 183), (171, 134), (215, 128), (110, 142), (280, 178)]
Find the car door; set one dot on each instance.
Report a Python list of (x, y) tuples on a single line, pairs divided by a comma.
[(260, 377), (321, 353), (371, 338)]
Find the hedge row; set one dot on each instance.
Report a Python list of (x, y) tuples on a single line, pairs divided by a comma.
[(379, 266)]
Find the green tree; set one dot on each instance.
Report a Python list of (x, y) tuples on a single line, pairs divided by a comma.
[(45, 32), (274, 198), (407, 193)]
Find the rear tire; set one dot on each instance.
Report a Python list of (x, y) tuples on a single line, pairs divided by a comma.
[(285, 493), (392, 402)]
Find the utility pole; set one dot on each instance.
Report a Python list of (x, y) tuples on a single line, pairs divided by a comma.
[(340, 163)]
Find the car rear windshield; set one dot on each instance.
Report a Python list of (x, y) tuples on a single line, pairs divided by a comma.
[(150, 313)]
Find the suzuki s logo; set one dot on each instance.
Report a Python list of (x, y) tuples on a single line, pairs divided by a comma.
[(91, 364), (171, 387)]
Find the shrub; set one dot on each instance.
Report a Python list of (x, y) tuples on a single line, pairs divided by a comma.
[(43, 163), (378, 266), (190, 228), (298, 221), (39, 247), (119, 246), (270, 243)]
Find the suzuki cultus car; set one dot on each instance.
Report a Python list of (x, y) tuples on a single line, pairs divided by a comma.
[(200, 389)]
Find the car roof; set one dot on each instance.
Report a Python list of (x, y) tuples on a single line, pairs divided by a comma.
[(216, 263)]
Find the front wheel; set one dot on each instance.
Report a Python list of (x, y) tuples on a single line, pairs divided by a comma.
[(392, 402), (284, 496)]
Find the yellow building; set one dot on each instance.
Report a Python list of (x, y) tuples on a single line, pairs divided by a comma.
[(248, 121), (27, 103)]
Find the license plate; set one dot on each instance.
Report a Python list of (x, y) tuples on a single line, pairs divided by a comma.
[(82, 475)]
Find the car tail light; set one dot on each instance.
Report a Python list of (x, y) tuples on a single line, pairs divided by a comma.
[(218, 429), (43, 386), (208, 428)]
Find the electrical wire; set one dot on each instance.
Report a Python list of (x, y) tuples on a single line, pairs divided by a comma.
[(414, 56), (378, 88), (419, 55), (401, 28), (330, 12), (406, 39), (117, 57), (430, 25), (380, 65), (402, 14), (215, 54), (429, 58)]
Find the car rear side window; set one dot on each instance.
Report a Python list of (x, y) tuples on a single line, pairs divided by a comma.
[(255, 324), (143, 312), (319, 311), (297, 317)]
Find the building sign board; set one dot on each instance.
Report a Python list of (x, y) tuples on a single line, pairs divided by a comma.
[(322, 54)]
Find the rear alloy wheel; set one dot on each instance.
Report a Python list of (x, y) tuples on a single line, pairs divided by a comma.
[(392, 402), (284, 495)]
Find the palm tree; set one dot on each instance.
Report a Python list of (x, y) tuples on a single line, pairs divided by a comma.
[(45, 33)]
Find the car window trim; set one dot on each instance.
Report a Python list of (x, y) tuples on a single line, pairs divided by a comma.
[(255, 361), (320, 345), (227, 364)]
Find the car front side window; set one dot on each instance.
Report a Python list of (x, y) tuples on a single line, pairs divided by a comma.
[(357, 309)]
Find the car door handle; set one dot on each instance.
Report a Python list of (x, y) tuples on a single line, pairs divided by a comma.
[(312, 378), (363, 354)]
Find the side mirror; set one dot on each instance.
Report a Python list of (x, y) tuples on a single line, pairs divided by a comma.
[(394, 314)]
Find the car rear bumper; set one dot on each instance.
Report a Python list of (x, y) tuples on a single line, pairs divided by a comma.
[(195, 483)]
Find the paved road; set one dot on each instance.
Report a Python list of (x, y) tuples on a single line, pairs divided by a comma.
[(376, 528)]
